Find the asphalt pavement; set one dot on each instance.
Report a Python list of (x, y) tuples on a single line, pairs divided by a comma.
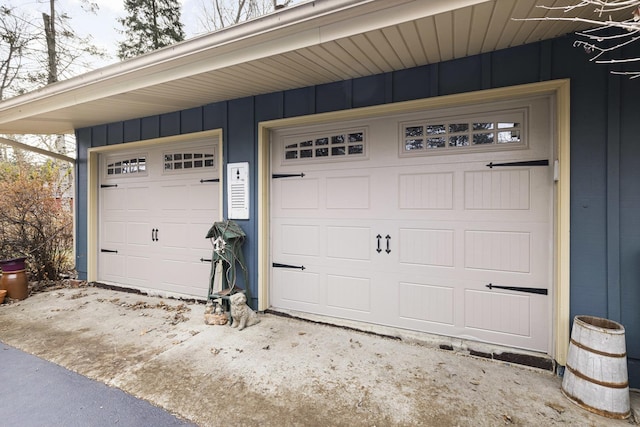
[(34, 392)]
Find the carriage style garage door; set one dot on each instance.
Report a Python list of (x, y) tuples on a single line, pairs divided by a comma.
[(156, 206), (438, 221)]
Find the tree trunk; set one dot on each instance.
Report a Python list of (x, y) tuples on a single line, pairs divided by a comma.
[(50, 34)]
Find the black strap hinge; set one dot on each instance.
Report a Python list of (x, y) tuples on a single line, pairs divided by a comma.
[(287, 175), (108, 185), (210, 180), (539, 291), (544, 162), (278, 265)]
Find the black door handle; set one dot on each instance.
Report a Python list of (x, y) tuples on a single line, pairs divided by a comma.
[(378, 237), (388, 250)]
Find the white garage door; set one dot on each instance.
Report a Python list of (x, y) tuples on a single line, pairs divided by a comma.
[(156, 206), (437, 221)]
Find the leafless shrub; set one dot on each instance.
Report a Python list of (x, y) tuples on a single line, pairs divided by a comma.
[(36, 218)]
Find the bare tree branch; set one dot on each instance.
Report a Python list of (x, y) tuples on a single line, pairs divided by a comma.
[(608, 36)]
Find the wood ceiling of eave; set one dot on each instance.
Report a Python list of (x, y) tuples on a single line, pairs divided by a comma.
[(481, 28)]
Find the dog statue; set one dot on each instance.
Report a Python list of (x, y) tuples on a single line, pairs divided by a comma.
[(242, 315)]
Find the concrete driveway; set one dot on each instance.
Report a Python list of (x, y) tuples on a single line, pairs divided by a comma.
[(281, 371)]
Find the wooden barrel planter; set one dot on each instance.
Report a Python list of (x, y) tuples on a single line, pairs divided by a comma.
[(14, 278), (595, 377)]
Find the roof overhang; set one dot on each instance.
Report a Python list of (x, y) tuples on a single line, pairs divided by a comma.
[(312, 43)]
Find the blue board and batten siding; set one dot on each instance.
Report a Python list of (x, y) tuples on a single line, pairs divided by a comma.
[(605, 156)]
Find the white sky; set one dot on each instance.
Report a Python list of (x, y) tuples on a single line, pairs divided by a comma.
[(103, 26)]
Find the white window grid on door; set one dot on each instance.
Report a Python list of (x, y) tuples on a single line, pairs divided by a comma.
[(332, 144), (180, 161), (449, 135), (129, 165)]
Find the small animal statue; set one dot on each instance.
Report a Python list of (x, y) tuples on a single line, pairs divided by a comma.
[(242, 315)]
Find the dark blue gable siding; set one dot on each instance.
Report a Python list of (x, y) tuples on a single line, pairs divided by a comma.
[(605, 152), (629, 248)]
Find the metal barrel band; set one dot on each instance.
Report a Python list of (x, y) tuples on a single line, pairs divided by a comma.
[(598, 352), (603, 412), (594, 381), (14, 271)]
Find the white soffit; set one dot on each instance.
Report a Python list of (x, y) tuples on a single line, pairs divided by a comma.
[(312, 43)]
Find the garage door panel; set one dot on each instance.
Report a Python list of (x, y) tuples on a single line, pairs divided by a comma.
[(498, 250), (138, 270), (115, 266), (300, 240), (139, 234), (113, 200), (350, 293), (197, 240), (497, 190), (349, 243), (433, 247), (204, 200), (174, 198), (348, 192), (426, 302), (297, 288), (115, 232), (138, 200), (498, 312), (187, 277), (426, 191), (298, 193), (174, 235)]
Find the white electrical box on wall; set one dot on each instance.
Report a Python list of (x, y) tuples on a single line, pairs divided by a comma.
[(238, 190)]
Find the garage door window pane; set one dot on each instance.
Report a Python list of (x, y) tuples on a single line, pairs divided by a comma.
[(435, 142), (459, 141), (129, 166), (343, 145), (188, 160), (459, 134), (356, 137), (413, 131), (482, 126), (509, 137), (356, 149), (458, 127), (483, 138), (435, 129), (414, 144)]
